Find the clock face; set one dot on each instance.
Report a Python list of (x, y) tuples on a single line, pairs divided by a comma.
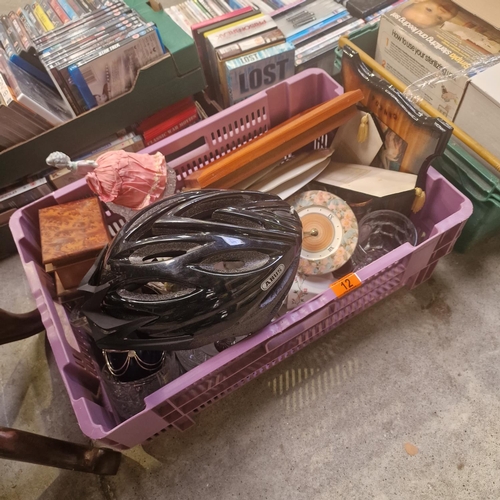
[(329, 231)]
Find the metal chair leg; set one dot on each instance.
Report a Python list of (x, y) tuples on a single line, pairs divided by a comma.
[(36, 449), (19, 326)]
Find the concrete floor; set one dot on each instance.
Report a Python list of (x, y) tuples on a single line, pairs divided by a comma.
[(421, 367)]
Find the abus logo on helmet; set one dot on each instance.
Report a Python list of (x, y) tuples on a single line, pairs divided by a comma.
[(271, 279)]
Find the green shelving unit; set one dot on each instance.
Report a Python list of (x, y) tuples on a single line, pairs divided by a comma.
[(168, 80)]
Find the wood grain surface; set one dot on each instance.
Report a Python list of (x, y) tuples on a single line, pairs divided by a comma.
[(275, 144), (72, 231)]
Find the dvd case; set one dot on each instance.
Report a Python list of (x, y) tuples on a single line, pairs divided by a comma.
[(112, 71), (51, 14), (22, 35), (42, 17), (254, 72), (28, 10), (34, 95), (61, 14), (30, 28)]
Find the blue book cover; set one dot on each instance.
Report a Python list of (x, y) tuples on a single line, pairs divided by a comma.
[(32, 70), (79, 82)]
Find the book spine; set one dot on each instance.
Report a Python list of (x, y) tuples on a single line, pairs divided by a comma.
[(67, 8), (33, 19), (56, 7), (11, 34), (186, 123), (42, 17), (164, 114), (6, 43), (172, 126), (76, 8), (54, 18), (20, 31), (4, 91), (30, 29)]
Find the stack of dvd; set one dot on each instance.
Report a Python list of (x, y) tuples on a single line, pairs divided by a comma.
[(242, 53), (27, 106), (18, 29), (321, 38), (266, 6), (96, 58), (191, 12)]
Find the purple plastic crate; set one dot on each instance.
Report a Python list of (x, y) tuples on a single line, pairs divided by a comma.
[(176, 404)]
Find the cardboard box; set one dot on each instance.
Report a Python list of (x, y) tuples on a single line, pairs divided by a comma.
[(479, 112), (435, 37), (487, 10)]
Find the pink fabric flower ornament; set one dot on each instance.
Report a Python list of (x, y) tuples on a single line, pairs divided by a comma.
[(132, 180)]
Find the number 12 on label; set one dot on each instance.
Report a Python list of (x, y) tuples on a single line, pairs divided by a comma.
[(345, 285)]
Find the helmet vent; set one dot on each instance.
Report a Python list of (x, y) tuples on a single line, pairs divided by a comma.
[(235, 262), (154, 291), (160, 252)]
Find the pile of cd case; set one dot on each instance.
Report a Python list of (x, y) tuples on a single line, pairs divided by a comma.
[(96, 58), (191, 12)]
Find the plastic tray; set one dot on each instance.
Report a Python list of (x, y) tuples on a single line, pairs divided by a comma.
[(472, 176), (176, 404)]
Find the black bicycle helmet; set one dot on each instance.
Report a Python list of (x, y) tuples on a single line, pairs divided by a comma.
[(192, 269)]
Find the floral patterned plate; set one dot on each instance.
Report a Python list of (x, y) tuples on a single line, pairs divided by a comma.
[(329, 231)]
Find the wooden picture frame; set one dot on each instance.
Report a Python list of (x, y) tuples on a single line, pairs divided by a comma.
[(423, 137)]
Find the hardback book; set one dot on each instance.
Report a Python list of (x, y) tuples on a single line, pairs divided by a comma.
[(164, 114), (180, 121)]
